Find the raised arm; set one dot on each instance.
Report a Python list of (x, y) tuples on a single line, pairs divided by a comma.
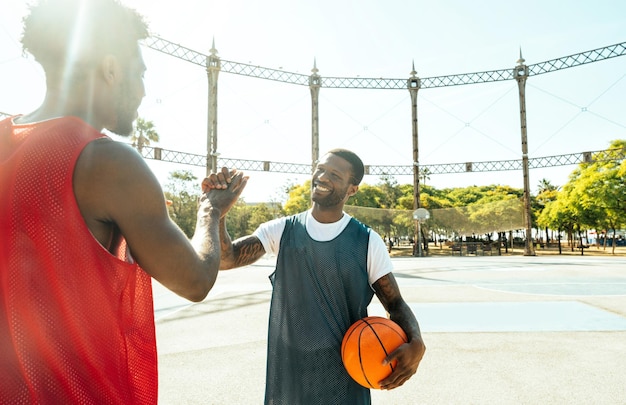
[(410, 354), (243, 251), (119, 195)]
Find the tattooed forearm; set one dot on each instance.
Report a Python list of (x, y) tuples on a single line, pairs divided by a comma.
[(388, 293), (241, 252), (247, 250)]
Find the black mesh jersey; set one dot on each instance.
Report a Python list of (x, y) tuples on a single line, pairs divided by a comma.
[(319, 290)]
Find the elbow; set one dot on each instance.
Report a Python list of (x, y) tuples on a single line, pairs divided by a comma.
[(197, 296), (226, 265), (200, 289)]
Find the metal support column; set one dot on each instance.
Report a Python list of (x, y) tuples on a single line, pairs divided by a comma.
[(213, 66), (315, 83), (414, 84), (521, 74)]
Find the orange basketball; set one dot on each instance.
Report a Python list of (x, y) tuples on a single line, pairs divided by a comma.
[(366, 344)]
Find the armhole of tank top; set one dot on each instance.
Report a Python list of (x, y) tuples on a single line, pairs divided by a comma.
[(126, 249)]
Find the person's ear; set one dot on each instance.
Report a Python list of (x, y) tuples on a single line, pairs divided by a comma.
[(352, 190), (110, 69)]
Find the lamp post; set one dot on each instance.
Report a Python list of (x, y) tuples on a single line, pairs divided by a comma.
[(420, 215)]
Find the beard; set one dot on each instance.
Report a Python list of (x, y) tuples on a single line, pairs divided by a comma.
[(125, 111), (332, 199), (124, 124)]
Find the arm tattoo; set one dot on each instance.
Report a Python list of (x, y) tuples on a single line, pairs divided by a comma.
[(241, 252), (247, 250), (388, 293), (387, 290)]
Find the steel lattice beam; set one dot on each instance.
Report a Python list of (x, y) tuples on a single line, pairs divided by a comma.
[(191, 159), (578, 59), (200, 59), (446, 168), (595, 55)]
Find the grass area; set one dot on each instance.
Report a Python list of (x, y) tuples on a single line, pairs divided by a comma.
[(620, 251)]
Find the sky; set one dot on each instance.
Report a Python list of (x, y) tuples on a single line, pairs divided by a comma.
[(568, 111)]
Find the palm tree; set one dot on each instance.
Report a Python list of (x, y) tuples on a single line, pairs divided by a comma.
[(545, 185), (425, 175), (143, 134)]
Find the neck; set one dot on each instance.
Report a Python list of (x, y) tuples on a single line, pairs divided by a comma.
[(62, 104), (327, 215), (69, 95)]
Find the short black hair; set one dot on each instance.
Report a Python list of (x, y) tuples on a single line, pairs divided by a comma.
[(60, 33), (358, 170)]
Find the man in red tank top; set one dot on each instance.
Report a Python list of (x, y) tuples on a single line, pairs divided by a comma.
[(84, 222)]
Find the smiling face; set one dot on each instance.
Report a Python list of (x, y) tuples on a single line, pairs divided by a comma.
[(331, 185)]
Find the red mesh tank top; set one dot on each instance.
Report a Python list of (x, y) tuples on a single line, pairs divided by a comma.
[(76, 322)]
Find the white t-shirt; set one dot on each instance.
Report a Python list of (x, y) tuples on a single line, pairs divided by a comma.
[(378, 260)]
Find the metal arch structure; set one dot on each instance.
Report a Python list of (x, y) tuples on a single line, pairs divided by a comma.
[(243, 69), (171, 156), (578, 59), (191, 159), (520, 73), (189, 55)]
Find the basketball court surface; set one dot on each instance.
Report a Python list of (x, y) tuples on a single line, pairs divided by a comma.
[(498, 330)]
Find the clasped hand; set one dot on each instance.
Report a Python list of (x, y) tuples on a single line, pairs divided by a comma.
[(222, 189)]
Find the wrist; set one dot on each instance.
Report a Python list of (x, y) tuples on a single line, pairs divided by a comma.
[(207, 210), (214, 212)]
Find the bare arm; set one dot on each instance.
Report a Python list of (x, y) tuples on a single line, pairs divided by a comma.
[(119, 195), (241, 252), (410, 354)]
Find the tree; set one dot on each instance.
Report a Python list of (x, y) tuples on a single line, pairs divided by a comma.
[(546, 193), (424, 175), (237, 220), (299, 198), (367, 196), (144, 134), (259, 214), (593, 198), (390, 191), (555, 215), (601, 190), (545, 186), (370, 197), (183, 191)]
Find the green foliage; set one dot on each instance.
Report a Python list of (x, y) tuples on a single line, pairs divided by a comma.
[(144, 134), (243, 219), (390, 192), (367, 196), (299, 198), (237, 220), (466, 196), (494, 208), (262, 213), (593, 198), (183, 191)]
